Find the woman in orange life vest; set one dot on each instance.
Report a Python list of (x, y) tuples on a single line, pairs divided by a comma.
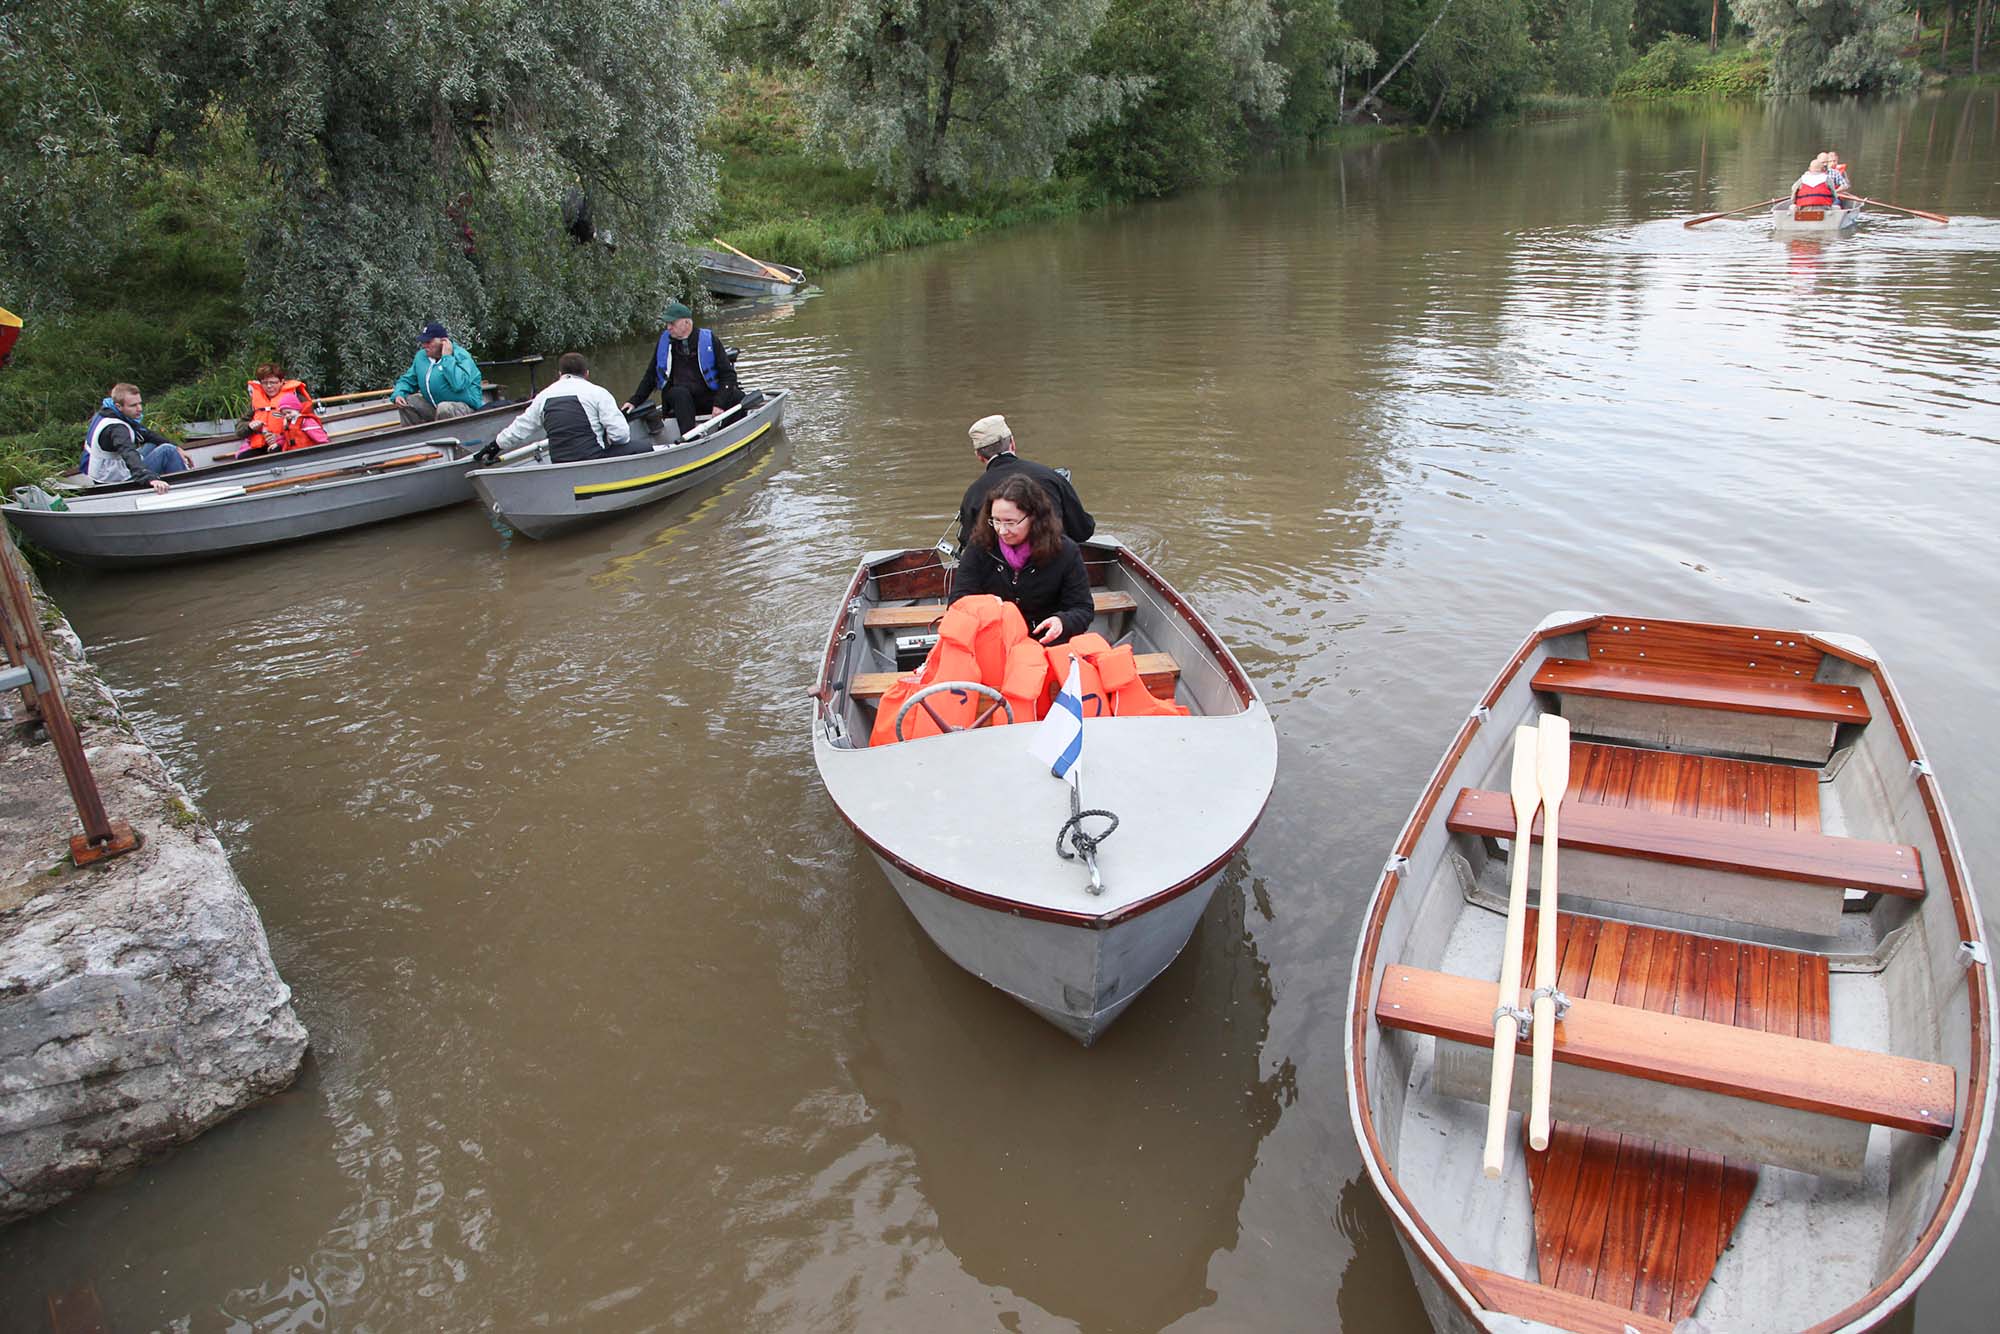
[(1018, 552), (282, 415)]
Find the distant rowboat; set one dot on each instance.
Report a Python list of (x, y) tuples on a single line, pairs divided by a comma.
[(1792, 220), (730, 275)]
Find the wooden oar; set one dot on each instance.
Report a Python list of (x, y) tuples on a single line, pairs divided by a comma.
[(1939, 218), (1711, 217), (351, 470), (1527, 795), (769, 271), (1552, 776)]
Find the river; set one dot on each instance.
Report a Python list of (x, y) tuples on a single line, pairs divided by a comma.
[(614, 1025)]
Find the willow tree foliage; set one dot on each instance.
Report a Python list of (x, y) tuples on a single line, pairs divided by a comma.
[(1202, 77), (936, 95), (1834, 45), (415, 160)]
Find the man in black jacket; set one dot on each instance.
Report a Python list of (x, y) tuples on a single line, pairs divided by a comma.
[(993, 446)]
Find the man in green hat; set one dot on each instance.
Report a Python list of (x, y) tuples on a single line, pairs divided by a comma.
[(693, 371)]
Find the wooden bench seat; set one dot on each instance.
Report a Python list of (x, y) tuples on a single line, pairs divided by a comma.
[(1761, 850), (1158, 670), (1663, 1048), (1723, 691), (924, 615)]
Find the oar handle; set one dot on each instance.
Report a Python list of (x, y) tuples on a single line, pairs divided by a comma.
[(769, 271)]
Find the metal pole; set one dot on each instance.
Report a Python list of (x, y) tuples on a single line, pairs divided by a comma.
[(102, 836)]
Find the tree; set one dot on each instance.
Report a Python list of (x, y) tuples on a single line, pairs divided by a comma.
[(1200, 76), (936, 95), (1835, 45), (414, 161)]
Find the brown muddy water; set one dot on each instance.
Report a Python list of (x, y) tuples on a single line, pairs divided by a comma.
[(614, 1026)]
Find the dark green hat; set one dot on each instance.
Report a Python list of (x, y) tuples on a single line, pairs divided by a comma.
[(676, 311)]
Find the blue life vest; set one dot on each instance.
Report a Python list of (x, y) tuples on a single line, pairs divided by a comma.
[(704, 356)]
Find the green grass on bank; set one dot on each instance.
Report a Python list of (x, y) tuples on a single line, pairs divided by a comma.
[(782, 201)]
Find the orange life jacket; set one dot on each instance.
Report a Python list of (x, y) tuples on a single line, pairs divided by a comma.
[(1818, 195), (266, 420), (980, 639), (1110, 680)]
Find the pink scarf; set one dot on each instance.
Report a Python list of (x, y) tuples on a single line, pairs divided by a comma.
[(1016, 557)]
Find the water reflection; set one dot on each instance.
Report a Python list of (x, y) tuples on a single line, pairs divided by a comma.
[(1093, 1182)]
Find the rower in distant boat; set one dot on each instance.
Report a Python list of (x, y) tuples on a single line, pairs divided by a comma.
[(693, 371), (993, 445), (1836, 172), (1815, 189), (118, 448), (580, 419)]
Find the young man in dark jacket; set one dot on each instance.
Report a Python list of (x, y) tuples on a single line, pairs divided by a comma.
[(993, 446), (117, 448)]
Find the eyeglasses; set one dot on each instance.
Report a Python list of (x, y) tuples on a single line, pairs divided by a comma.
[(1000, 523)]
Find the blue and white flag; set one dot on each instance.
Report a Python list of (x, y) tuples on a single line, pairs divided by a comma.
[(1058, 741)]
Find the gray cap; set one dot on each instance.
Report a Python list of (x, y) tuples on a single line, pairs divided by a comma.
[(990, 431)]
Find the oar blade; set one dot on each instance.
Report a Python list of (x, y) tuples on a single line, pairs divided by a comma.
[(1552, 764)]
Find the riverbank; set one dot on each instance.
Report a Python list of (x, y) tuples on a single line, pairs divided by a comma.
[(139, 1005)]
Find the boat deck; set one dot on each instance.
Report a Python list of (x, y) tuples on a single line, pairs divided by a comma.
[(1620, 1218)]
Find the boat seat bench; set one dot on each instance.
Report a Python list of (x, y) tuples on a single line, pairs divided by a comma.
[(1158, 670), (1680, 708), (1665, 1048), (922, 616), (1760, 850)]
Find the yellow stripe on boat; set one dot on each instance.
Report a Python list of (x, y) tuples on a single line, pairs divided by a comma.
[(654, 479)]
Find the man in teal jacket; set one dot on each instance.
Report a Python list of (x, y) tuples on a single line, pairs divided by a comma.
[(443, 380)]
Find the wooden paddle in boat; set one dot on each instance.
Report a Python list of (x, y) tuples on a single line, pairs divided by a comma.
[(1552, 776), (1711, 217), (1527, 793), (1939, 218), (353, 470), (769, 270)]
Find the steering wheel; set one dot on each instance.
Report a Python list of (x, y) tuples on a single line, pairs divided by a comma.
[(937, 687)]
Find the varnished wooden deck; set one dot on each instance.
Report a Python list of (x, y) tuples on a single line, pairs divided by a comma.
[(1619, 1218)]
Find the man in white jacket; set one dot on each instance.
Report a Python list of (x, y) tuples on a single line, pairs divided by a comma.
[(580, 419)]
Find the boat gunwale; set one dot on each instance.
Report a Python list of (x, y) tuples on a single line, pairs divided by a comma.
[(1893, 1290), (823, 694), (524, 469)]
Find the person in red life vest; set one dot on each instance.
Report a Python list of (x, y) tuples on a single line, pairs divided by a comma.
[(1836, 172), (1815, 189), (691, 368), (1019, 553), (273, 424)]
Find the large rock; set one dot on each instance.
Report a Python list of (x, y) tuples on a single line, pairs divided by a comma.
[(138, 1001)]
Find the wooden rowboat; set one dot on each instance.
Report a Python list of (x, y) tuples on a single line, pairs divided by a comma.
[(1771, 1090), (1791, 220), (731, 275), (982, 875), (278, 502), (541, 499)]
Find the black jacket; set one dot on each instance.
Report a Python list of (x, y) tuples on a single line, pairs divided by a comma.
[(1076, 521), (1061, 589)]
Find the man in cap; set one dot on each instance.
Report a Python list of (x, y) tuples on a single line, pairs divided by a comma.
[(692, 370), (443, 380), (993, 446)]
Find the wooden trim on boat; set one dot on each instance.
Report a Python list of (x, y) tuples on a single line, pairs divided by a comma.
[(1978, 1091), (1563, 1310)]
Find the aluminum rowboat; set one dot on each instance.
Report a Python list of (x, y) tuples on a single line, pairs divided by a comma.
[(980, 872), (729, 275), (1791, 220), (279, 502), (373, 427), (541, 499), (1772, 1088)]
